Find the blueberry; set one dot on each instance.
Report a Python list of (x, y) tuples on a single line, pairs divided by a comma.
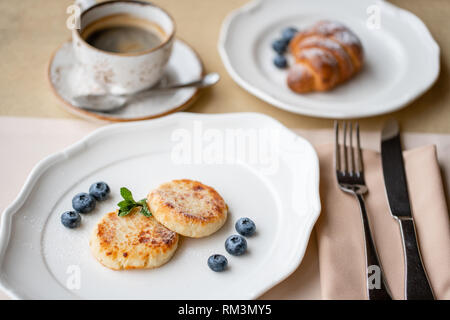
[(280, 45), (289, 33), (83, 202), (280, 62), (236, 245), (99, 190), (245, 227), (71, 219), (217, 262)]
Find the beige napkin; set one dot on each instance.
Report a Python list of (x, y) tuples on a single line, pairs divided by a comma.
[(340, 233)]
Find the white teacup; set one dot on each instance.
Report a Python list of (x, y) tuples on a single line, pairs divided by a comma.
[(126, 69)]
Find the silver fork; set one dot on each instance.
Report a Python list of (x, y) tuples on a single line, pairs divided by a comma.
[(350, 178)]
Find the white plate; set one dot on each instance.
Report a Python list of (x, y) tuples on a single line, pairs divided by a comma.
[(401, 58), (274, 180), (184, 66)]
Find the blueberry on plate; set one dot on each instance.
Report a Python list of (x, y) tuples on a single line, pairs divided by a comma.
[(245, 227), (280, 45), (236, 245), (217, 262), (99, 190), (280, 62), (71, 219), (289, 33), (83, 202)]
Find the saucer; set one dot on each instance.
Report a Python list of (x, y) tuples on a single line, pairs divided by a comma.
[(68, 81)]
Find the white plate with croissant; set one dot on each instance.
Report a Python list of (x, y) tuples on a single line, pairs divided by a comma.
[(346, 59)]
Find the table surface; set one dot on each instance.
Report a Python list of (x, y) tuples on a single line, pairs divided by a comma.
[(31, 30)]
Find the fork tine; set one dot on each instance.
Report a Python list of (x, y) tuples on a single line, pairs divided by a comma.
[(359, 152), (352, 156), (345, 149), (337, 151)]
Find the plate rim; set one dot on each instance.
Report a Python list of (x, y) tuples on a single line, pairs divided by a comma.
[(396, 104), (46, 163), (85, 114)]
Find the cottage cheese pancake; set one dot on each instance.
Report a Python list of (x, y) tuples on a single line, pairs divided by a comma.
[(188, 207), (132, 242)]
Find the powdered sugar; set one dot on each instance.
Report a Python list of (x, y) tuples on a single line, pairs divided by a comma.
[(315, 41), (320, 54), (329, 27), (346, 37)]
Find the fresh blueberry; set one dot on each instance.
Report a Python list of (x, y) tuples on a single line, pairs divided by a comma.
[(280, 45), (280, 62), (99, 190), (83, 203), (289, 33), (71, 219), (236, 245), (217, 262), (245, 227)]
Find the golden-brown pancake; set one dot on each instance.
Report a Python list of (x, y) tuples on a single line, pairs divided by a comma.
[(188, 207), (132, 242)]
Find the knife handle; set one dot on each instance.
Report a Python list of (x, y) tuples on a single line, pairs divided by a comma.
[(417, 286)]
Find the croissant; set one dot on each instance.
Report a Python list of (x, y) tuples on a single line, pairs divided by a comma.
[(325, 55)]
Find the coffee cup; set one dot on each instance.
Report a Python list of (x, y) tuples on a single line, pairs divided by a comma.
[(123, 46)]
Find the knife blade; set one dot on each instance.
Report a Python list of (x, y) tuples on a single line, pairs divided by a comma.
[(416, 281)]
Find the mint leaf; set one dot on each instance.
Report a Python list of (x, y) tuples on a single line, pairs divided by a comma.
[(123, 213), (128, 204), (126, 194), (142, 202), (145, 211), (144, 208)]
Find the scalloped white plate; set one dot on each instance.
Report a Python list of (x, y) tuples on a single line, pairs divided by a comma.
[(401, 57), (262, 169)]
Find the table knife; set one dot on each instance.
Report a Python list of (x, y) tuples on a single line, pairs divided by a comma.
[(417, 286)]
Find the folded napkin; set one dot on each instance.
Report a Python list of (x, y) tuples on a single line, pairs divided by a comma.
[(340, 236)]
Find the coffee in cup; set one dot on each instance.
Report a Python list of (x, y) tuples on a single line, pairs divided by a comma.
[(123, 46), (123, 33)]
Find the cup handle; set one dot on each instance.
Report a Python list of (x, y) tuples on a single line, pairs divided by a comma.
[(85, 4)]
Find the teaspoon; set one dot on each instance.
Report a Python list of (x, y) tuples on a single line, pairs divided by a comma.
[(107, 103)]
